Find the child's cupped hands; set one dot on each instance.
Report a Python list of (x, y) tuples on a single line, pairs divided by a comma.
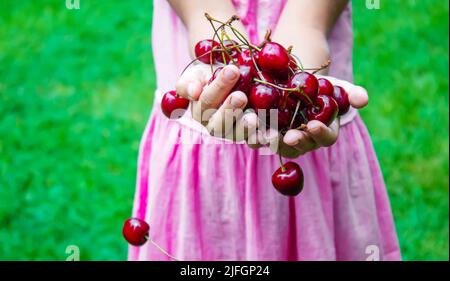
[(225, 114), (215, 105)]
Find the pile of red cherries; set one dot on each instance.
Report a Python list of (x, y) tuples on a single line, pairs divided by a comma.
[(273, 79)]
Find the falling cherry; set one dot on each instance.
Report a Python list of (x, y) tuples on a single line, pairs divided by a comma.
[(135, 231)]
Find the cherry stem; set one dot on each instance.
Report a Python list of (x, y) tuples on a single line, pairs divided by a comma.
[(220, 41), (162, 250), (266, 38), (298, 62), (236, 32), (209, 53), (289, 49), (197, 58), (293, 71), (298, 89), (295, 113), (283, 168), (239, 36), (232, 41), (301, 127), (322, 67), (222, 35)]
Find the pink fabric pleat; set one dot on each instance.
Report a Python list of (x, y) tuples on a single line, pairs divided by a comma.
[(216, 201)]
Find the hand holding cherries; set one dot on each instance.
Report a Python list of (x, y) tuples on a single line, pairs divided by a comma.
[(237, 75)]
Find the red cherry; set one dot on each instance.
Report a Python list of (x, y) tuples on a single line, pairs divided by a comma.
[(273, 58), (263, 97), (308, 85), (173, 106), (286, 101), (135, 231), (324, 110), (245, 57), (266, 77), (288, 180), (325, 87), (284, 118), (244, 82), (300, 118), (341, 97), (284, 76), (293, 64), (203, 50), (229, 45)]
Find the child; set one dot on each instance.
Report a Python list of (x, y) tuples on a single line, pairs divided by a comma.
[(209, 199)]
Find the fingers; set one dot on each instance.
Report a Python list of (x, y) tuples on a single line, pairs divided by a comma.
[(321, 134), (215, 93), (290, 152), (264, 137), (190, 84), (255, 140), (245, 127), (299, 140), (315, 135), (357, 95), (276, 145), (222, 122)]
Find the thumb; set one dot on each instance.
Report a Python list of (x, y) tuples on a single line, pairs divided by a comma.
[(358, 96)]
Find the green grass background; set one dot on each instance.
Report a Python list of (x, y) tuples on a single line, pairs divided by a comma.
[(76, 89)]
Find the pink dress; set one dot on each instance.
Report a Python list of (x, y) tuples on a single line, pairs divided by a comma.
[(208, 199)]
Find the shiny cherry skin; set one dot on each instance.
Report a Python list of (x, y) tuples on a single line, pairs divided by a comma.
[(135, 231), (273, 58), (203, 49), (265, 77), (324, 110), (300, 118), (233, 51), (245, 58), (325, 87), (341, 97), (284, 76), (263, 97), (284, 118), (286, 100), (288, 181), (173, 106), (308, 84), (293, 64), (245, 80)]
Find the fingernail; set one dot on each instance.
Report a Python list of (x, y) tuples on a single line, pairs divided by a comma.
[(271, 134), (236, 102), (290, 139), (229, 74), (190, 90), (313, 125)]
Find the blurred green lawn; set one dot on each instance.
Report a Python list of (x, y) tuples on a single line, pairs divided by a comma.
[(76, 90)]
